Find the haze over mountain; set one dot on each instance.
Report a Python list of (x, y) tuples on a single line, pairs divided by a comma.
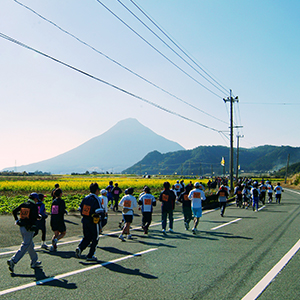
[(118, 148)]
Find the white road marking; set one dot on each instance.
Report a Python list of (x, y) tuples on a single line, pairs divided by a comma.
[(220, 226), (40, 282), (261, 286), (106, 234)]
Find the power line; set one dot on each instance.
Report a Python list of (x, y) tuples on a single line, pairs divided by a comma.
[(132, 13), (116, 62), (270, 103), (176, 44), (148, 43), (105, 82)]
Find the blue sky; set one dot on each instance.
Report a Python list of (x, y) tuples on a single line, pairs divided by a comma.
[(251, 47)]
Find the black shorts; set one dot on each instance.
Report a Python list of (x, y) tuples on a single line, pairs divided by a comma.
[(61, 227), (128, 218)]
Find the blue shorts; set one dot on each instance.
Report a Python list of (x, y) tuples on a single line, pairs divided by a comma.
[(197, 212)]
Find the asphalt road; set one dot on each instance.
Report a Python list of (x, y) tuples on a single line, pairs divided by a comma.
[(228, 259)]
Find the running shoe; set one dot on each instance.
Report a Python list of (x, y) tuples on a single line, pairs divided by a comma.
[(78, 252), (121, 237), (44, 246), (37, 264), (93, 258), (11, 265)]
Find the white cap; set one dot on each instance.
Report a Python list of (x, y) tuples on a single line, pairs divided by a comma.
[(102, 192), (197, 184)]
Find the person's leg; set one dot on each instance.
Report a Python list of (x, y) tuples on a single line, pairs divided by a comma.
[(61, 235), (171, 219), (94, 237), (164, 220), (27, 240)]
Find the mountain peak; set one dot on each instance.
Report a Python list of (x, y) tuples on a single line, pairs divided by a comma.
[(115, 150)]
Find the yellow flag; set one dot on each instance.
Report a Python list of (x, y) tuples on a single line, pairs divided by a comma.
[(223, 162)]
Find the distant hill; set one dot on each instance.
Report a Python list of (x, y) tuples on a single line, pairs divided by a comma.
[(207, 159), (292, 170), (118, 148)]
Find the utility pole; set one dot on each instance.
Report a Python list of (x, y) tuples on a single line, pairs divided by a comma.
[(238, 155), (287, 166), (231, 100)]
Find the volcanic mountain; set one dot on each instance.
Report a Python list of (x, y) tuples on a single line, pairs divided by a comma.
[(115, 150)]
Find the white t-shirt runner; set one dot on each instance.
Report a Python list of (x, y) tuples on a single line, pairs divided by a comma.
[(129, 203)]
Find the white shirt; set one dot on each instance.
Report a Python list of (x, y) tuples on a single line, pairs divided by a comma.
[(104, 201), (196, 196), (128, 202), (148, 200), (278, 190)]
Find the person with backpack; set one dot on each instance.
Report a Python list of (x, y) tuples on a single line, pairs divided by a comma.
[(28, 216), (91, 211), (222, 195), (41, 224), (255, 193), (147, 201)]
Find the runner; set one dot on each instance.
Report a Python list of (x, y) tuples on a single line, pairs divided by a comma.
[(196, 196), (278, 191), (57, 222), (109, 194), (28, 217), (263, 191), (41, 224), (222, 195), (147, 201), (128, 202), (255, 193), (167, 198), (104, 203), (186, 208), (116, 191), (91, 211), (238, 195), (270, 191)]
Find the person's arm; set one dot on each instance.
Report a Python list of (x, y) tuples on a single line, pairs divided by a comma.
[(15, 212)]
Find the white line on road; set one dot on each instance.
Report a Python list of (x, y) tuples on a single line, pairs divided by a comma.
[(220, 226), (106, 234), (261, 286), (40, 282)]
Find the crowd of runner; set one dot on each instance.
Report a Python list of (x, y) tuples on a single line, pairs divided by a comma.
[(31, 215)]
